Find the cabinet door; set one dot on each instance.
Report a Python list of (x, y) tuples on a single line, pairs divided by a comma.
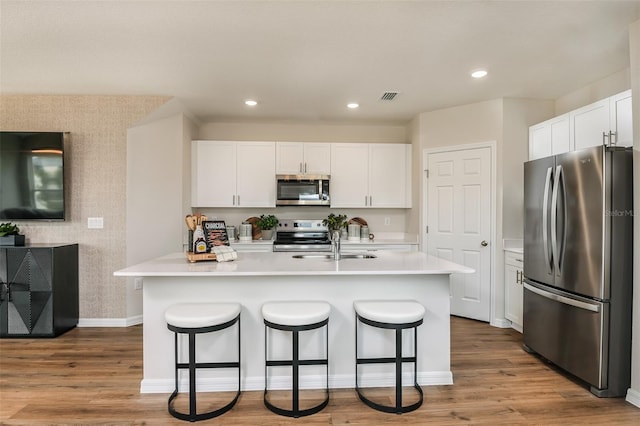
[(588, 123), (539, 141), (513, 295), (622, 118), (256, 174), (213, 174), (317, 158), (349, 175), (289, 158), (560, 137), (29, 300), (388, 175)]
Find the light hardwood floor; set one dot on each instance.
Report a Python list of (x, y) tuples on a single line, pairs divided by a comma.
[(92, 376)]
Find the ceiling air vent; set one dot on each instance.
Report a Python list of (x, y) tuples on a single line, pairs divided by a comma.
[(388, 96)]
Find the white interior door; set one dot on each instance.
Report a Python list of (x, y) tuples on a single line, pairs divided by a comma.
[(458, 217)]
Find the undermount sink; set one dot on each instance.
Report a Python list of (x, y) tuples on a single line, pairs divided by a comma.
[(330, 256)]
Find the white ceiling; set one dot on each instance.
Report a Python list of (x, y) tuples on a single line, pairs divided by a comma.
[(304, 60)]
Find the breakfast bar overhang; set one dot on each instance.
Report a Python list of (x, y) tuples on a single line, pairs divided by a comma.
[(256, 278)]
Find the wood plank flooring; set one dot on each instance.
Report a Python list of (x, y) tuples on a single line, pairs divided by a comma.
[(92, 376)]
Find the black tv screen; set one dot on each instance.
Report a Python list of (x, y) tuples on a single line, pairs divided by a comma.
[(32, 176)]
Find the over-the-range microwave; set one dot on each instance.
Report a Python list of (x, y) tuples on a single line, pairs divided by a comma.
[(302, 190)]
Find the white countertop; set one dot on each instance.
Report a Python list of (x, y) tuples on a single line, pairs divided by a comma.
[(282, 263), (515, 250)]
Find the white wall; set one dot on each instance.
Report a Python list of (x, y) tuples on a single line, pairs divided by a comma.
[(303, 132), (505, 121), (157, 173), (608, 86), (633, 395)]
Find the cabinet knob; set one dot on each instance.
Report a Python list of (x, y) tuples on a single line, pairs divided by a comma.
[(484, 243)]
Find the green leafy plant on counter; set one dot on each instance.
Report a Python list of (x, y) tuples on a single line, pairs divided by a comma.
[(267, 222), (335, 222), (8, 229)]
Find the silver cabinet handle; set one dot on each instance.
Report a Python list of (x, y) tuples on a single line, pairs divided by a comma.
[(370, 201), (484, 243), (238, 199), (233, 202)]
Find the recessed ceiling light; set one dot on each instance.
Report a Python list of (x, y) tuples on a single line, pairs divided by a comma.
[(353, 105), (479, 74), (250, 102)]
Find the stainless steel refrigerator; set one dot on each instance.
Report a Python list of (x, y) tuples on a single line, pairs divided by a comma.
[(578, 254)]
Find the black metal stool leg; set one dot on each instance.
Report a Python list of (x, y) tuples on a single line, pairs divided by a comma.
[(397, 360), (295, 362), (192, 365), (398, 371)]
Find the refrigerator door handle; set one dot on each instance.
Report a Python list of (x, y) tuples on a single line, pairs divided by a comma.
[(545, 220), (563, 299), (554, 221)]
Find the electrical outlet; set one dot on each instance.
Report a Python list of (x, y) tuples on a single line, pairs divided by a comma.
[(387, 221), (137, 284), (95, 223)]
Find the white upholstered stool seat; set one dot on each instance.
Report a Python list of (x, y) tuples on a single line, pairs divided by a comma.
[(296, 317), (295, 313), (191, 320), (397, 315), (197, 315), (390, 311)]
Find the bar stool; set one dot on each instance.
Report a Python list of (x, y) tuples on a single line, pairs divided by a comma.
[(395, 315), (295, 317), (193, 319)]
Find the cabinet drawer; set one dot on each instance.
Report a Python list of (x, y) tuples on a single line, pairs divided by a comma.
[(513, 259)]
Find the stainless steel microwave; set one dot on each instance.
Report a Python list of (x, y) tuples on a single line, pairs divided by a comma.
[(302, 190)]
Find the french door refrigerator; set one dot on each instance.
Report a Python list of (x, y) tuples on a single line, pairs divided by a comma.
[(578, 254)]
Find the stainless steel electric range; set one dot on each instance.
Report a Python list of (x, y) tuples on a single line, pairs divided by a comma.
[(302, 235)]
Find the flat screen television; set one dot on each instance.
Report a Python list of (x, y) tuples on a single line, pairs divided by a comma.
[(32, 176)]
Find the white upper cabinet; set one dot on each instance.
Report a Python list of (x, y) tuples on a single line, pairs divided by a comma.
[(588, 123), (622, 118), (233, 174), (349, 185), (550, 137), (303, 158), (585, 127), (370, 175)]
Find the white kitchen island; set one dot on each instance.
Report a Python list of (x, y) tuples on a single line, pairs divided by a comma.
[(255, 278)]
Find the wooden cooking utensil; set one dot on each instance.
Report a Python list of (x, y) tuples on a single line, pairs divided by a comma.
[(191, 222)]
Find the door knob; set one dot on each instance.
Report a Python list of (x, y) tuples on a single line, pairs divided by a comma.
[(484, 243)]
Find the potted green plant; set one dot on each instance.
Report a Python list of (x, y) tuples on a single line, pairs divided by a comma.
[(266, 223), (10, 235), (335, 223)]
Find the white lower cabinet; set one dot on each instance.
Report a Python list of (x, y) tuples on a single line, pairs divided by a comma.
[(513, 288), (233, 174)]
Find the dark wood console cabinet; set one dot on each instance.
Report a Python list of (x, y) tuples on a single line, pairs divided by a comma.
[(38, 290)]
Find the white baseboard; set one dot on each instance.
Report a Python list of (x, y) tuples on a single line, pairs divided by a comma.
[(426, 378), (633, 397), (500, 323), (110, 322)]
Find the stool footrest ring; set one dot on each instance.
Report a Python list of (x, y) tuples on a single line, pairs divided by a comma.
[(202, 416), (393, 408)]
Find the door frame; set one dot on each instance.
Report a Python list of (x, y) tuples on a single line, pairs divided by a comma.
[(493, 247)]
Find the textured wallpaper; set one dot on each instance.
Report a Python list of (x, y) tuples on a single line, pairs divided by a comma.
[(95, 179)]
